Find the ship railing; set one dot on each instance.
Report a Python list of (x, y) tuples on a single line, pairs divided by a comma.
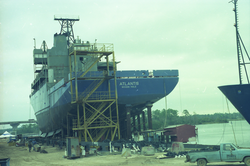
[(102, 95), (91, 74), (146, 73), (97, 95), (105, 47), (92, 47), (41, 74)]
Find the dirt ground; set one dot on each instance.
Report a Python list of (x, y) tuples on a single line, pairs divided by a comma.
[(21, 156)]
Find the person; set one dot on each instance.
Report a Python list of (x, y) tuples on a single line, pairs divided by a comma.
[(82, 150), (30, 145), (33, 143)]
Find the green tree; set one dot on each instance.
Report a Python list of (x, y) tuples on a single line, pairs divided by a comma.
[(194, 118), (185, 113), (163, 118), (172, 117), (28, 128), (157, 120), (187, 117)]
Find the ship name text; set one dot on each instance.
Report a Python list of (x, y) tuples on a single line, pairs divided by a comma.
[(129, 84)]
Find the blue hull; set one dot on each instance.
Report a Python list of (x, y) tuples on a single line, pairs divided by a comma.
[(138, 92), (74, 71), (239, 96)]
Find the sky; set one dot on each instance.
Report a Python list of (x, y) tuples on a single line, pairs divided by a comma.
[(196, 37)]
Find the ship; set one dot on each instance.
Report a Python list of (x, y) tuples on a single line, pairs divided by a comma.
[(76, 83), (239, 94)]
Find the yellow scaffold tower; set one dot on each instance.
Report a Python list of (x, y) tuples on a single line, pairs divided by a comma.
[(97, 111)]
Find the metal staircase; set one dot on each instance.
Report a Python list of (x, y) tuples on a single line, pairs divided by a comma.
[(97, 111)]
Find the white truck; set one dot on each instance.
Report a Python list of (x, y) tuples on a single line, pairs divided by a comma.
[(227, 153)]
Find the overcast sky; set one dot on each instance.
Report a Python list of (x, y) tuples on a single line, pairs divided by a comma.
[(197, 37)]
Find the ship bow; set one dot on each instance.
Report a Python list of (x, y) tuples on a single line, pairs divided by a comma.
[(239, 96)]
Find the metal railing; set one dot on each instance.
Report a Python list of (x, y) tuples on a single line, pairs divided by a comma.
[(97, 95), (70, 17), (40, 75), (92, 47)]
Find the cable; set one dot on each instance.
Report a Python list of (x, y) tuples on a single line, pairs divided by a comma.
[(231, 123)]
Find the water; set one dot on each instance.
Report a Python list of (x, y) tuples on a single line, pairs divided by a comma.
[(214, 134)]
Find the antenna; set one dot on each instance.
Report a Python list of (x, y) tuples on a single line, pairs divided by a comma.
[(34, 43), (67, 27)]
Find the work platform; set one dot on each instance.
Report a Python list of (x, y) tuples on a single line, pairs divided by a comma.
[(99, 117)]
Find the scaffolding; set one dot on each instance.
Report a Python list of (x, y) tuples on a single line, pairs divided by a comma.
[(97, 111)]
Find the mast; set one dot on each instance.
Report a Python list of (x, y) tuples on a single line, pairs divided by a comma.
[(237, 39), (240, 44), (67, 27)]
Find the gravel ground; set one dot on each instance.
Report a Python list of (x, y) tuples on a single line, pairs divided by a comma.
[(21, 156)]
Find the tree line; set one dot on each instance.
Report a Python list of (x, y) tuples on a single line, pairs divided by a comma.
[(26, 128), (163, 118)]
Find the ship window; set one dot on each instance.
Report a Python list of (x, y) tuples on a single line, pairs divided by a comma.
[(81, 58)]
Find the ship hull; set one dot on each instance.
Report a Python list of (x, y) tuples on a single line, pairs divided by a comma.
[(239, 96), (51, 106)]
